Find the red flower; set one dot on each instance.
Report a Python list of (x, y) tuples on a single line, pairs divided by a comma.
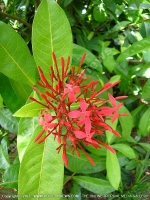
[(73, 126), (71, 90)]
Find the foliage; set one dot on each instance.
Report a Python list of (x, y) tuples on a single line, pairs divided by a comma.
[(115, 36)]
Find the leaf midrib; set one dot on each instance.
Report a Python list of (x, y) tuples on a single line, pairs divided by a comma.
[(17, 65)]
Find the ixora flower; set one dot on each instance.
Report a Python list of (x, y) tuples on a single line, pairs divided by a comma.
[(79, 113)]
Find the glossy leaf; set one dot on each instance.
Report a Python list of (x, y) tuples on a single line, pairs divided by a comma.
[(126, 122), (41, 169), (113, 169), (132, 164), (82, 165), (4, 158), (51, 33), (118, 26), (123, 160), (26, 128), (13, 91), (145, 91), (144, 124), (125, 150), (145, 146), (115, 78), (95, 185), (67, 2), (29, 110), (99, 152), (99, 14), (109, 135), (90, 59), (137, 3), (145, 29), (135, 48), (138, 113), (10, 177), (16, 60), (142, 6), (11, 184), (7, 121), (146, 55), (139, 149), (108, 59)]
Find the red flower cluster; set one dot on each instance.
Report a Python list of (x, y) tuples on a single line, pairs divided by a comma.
[(79, 113)]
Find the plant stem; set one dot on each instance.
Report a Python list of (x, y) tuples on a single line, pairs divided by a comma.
[(70, 177), (16, 18)]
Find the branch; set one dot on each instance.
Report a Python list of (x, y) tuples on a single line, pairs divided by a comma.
[(16, 18), (130, 25), (23, 33), (70, 177), (135, 61)]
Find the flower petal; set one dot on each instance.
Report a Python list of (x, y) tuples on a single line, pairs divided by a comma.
[(112, 100), (48, 117), (74, 114), (83, 105), (88, 126), (51, 125), (76, 89), (80, 134), (72, 97)]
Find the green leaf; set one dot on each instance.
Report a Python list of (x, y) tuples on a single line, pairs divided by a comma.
[(115, 78), (135, 48), (113, 169), (99, 152), (10, 177), (13, 91), (41, 169), (132, 164), (108, 59), (23, 91), (138, 113), (67, 2), (145, 29), (99, 13), (90, 60), (145, 91), (82, 165), (7, 121), (146, 55), (125, 149), (144, 124), (123, 160), (29, 110), (11, 184), (4, 158), (145, 146), (1, 102), (51, 33), (118, 26), (126, 122), (25, 129), (110, 136), (75, 191), (98, 186), (137, 3), (16, 60), (139, 149)]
